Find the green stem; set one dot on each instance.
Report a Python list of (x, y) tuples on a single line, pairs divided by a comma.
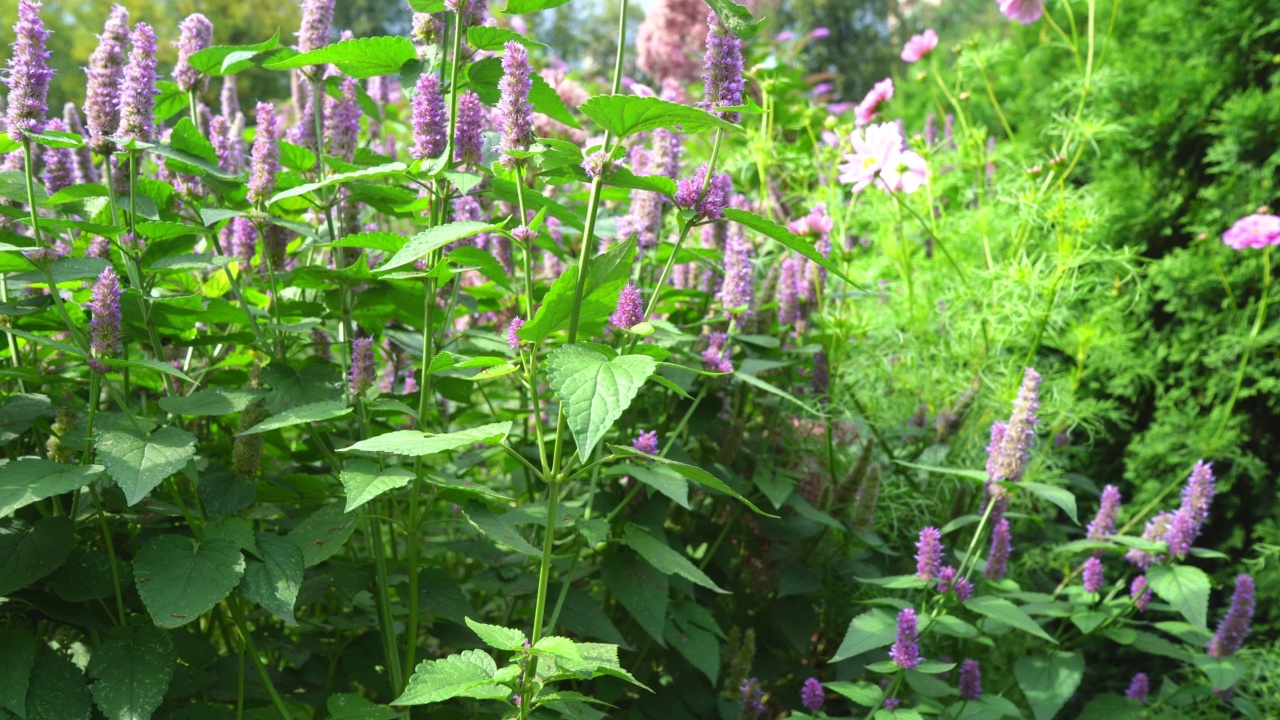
[(1258, 321), (237, 615), (544, 579)]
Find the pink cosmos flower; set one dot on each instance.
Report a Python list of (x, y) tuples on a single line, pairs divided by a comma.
[(1254, 232), (919, 46), (1024, 11), (866, 110), (879, 157)]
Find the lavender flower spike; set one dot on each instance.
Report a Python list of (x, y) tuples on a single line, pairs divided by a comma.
[(1139, 688), (646, 442), (468, 140), (906, 648), (630, 310), (105, 75), (195, 34), (1234, 627), (104, 320), (316, 25), (1194, 511), (430, 120), (1001, 546), (29, 72), (812, 695), (59, 163), (970, 680), (138, 90), (752, 700), (739, 288), (362, 372), (1093, 577), (265, 163), (1007, 455), (1104, 523), (929, 553), (513, 337), (1140, 593), (722, 65), (515, 112), (85, 172)]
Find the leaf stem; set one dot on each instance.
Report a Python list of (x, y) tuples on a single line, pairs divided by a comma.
[(237, 615)]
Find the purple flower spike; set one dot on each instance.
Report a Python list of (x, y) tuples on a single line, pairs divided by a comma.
[(138, 90), (515, 112), (1234, 627), (430, 120), (29, 72), (84, 172), (342, 122), (630, 310), (362, 373), (906, 648), (689, 190), (646, 442), (1010, 447), (812, 695), (1140, 593), (195, 34), (104, 320), (752, 700), (1194, 511), (970, 680), (265, 163), (513, 339), (1139, 688), (1093, 576), (739, 288), (316, 25), (1001, 546), (722, 70), (929, 554), (59, 163), (468, 138), (1104, 523), (716, 357), (1157, 529)]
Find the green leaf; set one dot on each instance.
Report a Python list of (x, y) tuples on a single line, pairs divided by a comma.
[(56, 139), (774, 389), (505, 190), (148, 364), (427, 6), (230, 59), (163, 230), (468, 674), (789, 239), (15, 668), (625, 115), (57, 690), (369, 173), (66, 270), (211, 401), (484, 77), (658, 554), (990, 706), (498, 637), (384, 241), (358, 58), (1059, 496), (696, 474), (414, 443), (660, 478), (595, 390), (348, 706), (187, 162), (274, 581), (697, 645), (180, 579), (139, 462), (30, 553), (608, 274), (1184, 587), (18, 412), (863, 693), (485, 37), (132, 670), (1048, 681), (1222, 672), (434, 238), (363, 481), (1007, 613), (314, 412), (323, 534), (736, 18), (501, 528), (484, 261), (642, 590), (29, 480), (519, 7), (872, 629)]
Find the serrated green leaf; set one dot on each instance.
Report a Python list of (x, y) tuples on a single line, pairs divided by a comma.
[(211, 401), (384, 241), (132, 670), (414, 443), (30, 553), (460, 675), (658, 554), (16, 661), (180, 579), (314, 412), (163, 230), (29, 480), (1049, 680), (696, 474), (519, 7), (863, 693), (56, 139), (433, 239), (1059, 496), (1184, 587), (501, 528), (640, 589), (230, 59), (498, 637), (138, 461), (868, 631), (485, 37), (358, 58), (625, 115), (57, 690), (607, 275), (323, 533), (1007, 613), (736, 18), (274, 581), (369, 173), (595, 390), (363, 481), (788, 239), (348, 706)]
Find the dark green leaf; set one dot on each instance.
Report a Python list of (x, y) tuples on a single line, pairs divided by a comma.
[(29, 480), (314, 412), (625, 115), (595, 390), (180, 579), (57, 690), (1184, 587), (1049, 680), (132, 670), (1007, 613), (640, 589), (789, 239), (369, 173), (485, 37), (323, 534), (696, 474), (30, 553), (468, 674), (211, 401), (274, 581), (736, 18), (139, 462), (658, 554), (348, 706), (433, 239), (384, 241), (868, 631), (15, 668), (414, 443)]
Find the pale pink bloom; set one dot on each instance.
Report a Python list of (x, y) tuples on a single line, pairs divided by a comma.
[(919, 46), (879, 158), (1024, 11), (866, 110), (908, 173), (1253, 232)]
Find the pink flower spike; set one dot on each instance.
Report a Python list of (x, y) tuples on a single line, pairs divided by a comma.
[(920, 46), (1024, 11)]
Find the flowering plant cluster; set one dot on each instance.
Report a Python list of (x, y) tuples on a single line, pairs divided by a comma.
[(457, 384)]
